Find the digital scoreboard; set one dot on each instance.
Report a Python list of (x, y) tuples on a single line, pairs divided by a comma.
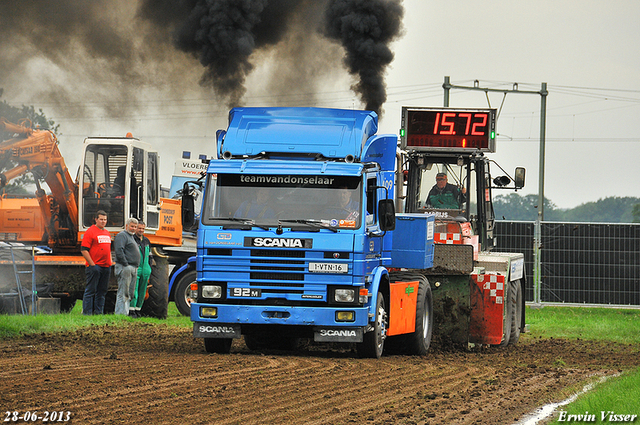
[(454, 129)]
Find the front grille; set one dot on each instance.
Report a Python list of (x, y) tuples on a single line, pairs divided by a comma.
[(277, 253), (282, 275), (272, 284), (276, 276)]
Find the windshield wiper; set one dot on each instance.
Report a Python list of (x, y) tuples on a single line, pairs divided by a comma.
[(246, 221), (315, 223)]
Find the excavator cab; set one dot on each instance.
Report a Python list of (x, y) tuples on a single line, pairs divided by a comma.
[(120, 177)]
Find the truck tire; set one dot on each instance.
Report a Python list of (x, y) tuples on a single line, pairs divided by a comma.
[(419, 341), (372, 345), (157, 303), (218, 345), (515, 288), (507, 318), (182, 293)]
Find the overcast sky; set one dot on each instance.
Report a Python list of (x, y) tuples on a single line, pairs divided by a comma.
[(587, 52)]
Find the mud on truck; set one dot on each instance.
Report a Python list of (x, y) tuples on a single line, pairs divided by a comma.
[(117, 175), (299, 236)]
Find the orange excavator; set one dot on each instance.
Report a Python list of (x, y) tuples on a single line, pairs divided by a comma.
[(119, 175), (56, 224)]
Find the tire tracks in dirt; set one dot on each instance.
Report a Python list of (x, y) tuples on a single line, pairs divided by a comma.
[(143, 373)]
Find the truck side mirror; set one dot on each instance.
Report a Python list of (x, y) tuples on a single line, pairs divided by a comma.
[(519, 177), (188, 208), (387, 214)]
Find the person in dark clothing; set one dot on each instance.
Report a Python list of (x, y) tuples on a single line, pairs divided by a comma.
[(127, 262), (444, 194)]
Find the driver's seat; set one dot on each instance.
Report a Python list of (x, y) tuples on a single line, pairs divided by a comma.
[(118, 183)]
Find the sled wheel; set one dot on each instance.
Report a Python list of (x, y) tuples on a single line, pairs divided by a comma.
[(515, 288)]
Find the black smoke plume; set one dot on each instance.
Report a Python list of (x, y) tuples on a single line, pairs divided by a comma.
[(365, 28), (223, 35), (104, 52)]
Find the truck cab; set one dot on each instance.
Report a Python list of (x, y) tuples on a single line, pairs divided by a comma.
[(295, 227), (120, 177)]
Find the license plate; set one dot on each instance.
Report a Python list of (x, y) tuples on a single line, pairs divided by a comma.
[(328, 268), (245, 292)]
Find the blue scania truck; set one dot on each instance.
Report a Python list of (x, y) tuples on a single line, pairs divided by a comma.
[(299, 237)]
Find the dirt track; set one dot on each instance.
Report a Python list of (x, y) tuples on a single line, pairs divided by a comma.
[(156, 374)]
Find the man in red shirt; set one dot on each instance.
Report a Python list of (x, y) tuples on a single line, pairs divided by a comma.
[(96, 249)]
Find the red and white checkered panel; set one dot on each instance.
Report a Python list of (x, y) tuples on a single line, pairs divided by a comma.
[(448, 238), (487, 308), (493, 286)]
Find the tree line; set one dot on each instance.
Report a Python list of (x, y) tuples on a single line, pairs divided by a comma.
[(614, 209)]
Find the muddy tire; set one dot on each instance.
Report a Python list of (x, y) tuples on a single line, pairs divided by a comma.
[(218, 345), (157, 303), (419, 341), (372, 345), (507, 318), (183, 291), (515, 288)]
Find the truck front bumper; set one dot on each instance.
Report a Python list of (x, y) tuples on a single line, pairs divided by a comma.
[(229, 320)]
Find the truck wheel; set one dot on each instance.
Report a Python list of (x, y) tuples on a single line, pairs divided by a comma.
[(515, 288), (506, 321), (182, 293), (218, 345), (156, 304), (419, 341), (373, 342)]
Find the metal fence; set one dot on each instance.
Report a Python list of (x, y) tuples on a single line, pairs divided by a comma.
[(581, 263)]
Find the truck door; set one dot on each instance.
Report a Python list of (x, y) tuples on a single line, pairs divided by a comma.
[(373, 241), (104, 183), (152, 195)]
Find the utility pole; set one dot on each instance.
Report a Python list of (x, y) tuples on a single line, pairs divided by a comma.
[(537, 235)]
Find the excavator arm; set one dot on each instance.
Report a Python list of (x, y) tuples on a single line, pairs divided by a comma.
[(36, 151)]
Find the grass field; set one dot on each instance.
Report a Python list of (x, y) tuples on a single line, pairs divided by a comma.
[(16, 325), (619, 395)]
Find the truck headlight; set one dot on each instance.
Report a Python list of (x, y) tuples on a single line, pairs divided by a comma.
[(344, 295), (211, 291)]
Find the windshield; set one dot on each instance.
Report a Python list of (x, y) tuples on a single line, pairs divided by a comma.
[(445, 188), (334, 201)]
